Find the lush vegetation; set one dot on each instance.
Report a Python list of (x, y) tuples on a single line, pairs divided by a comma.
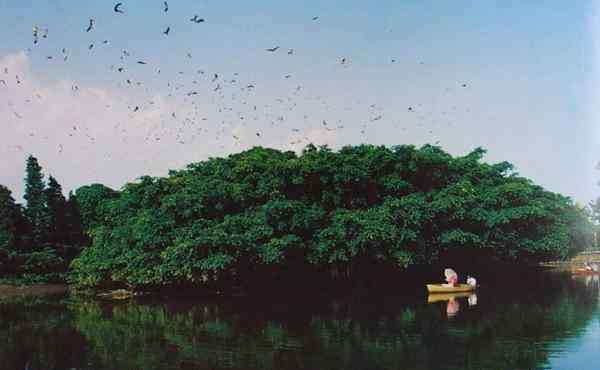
[(264, 212)]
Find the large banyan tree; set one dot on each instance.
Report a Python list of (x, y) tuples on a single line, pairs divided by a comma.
[(267, 210)]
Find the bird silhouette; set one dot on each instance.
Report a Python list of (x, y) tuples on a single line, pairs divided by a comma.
[(35, 34), (272, 50), (90, 26), (315, 18), (195, 19), (116, 8), (166, 6), (166, 32)]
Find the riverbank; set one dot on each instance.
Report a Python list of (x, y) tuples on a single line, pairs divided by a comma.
[(9, 291)]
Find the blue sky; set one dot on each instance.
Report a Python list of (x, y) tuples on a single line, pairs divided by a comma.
[(530, 72)]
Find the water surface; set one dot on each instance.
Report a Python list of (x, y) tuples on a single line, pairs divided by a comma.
[(553, 325)]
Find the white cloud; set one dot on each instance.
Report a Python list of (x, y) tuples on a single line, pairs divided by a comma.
[(84, 134)]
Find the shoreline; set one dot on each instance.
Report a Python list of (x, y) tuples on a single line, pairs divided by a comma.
[(9, 291)]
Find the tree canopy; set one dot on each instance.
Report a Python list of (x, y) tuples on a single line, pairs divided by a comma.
[(264, 210)]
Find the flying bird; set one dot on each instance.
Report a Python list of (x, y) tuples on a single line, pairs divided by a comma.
[(90, 26), (141, 62), (291, 51), (117, 6), (166, 6), (272, 50), (166, 32), (315, 18), (195, 19), (35, 34)]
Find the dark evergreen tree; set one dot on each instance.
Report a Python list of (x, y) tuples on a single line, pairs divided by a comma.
[(57, 208), (36, 211), (9, 218)]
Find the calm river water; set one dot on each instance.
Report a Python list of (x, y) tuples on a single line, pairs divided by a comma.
[(554, 324)]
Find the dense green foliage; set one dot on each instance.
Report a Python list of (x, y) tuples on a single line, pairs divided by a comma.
[(10, 214), (265, 211), (38, 242)]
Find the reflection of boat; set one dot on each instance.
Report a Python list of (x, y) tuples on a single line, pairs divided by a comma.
[(585, 272), (439, 297), (444, 288), (452, 308)]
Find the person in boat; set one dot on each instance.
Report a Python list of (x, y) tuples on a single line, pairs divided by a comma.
[(451, 277), (471, 281)]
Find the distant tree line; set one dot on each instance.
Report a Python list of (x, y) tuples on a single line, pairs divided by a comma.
[(268, 212)]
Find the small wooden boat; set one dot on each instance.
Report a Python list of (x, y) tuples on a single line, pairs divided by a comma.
[(442, 297), (444, 288)]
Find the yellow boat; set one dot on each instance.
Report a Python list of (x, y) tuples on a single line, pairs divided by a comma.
[(439, 297), (444, 288)]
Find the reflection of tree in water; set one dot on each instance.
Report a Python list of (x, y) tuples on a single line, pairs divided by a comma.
[(501, 332), (35, 333)]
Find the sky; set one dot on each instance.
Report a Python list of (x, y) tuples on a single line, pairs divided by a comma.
[(518, 79)]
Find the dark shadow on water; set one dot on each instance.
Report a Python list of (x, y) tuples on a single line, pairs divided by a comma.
[(385, 328)]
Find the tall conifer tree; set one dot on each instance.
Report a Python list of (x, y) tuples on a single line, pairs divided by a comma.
[(36, 211), (56, 203), (9, 220)]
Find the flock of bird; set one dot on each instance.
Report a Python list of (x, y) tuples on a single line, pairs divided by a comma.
[(231, 95)]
